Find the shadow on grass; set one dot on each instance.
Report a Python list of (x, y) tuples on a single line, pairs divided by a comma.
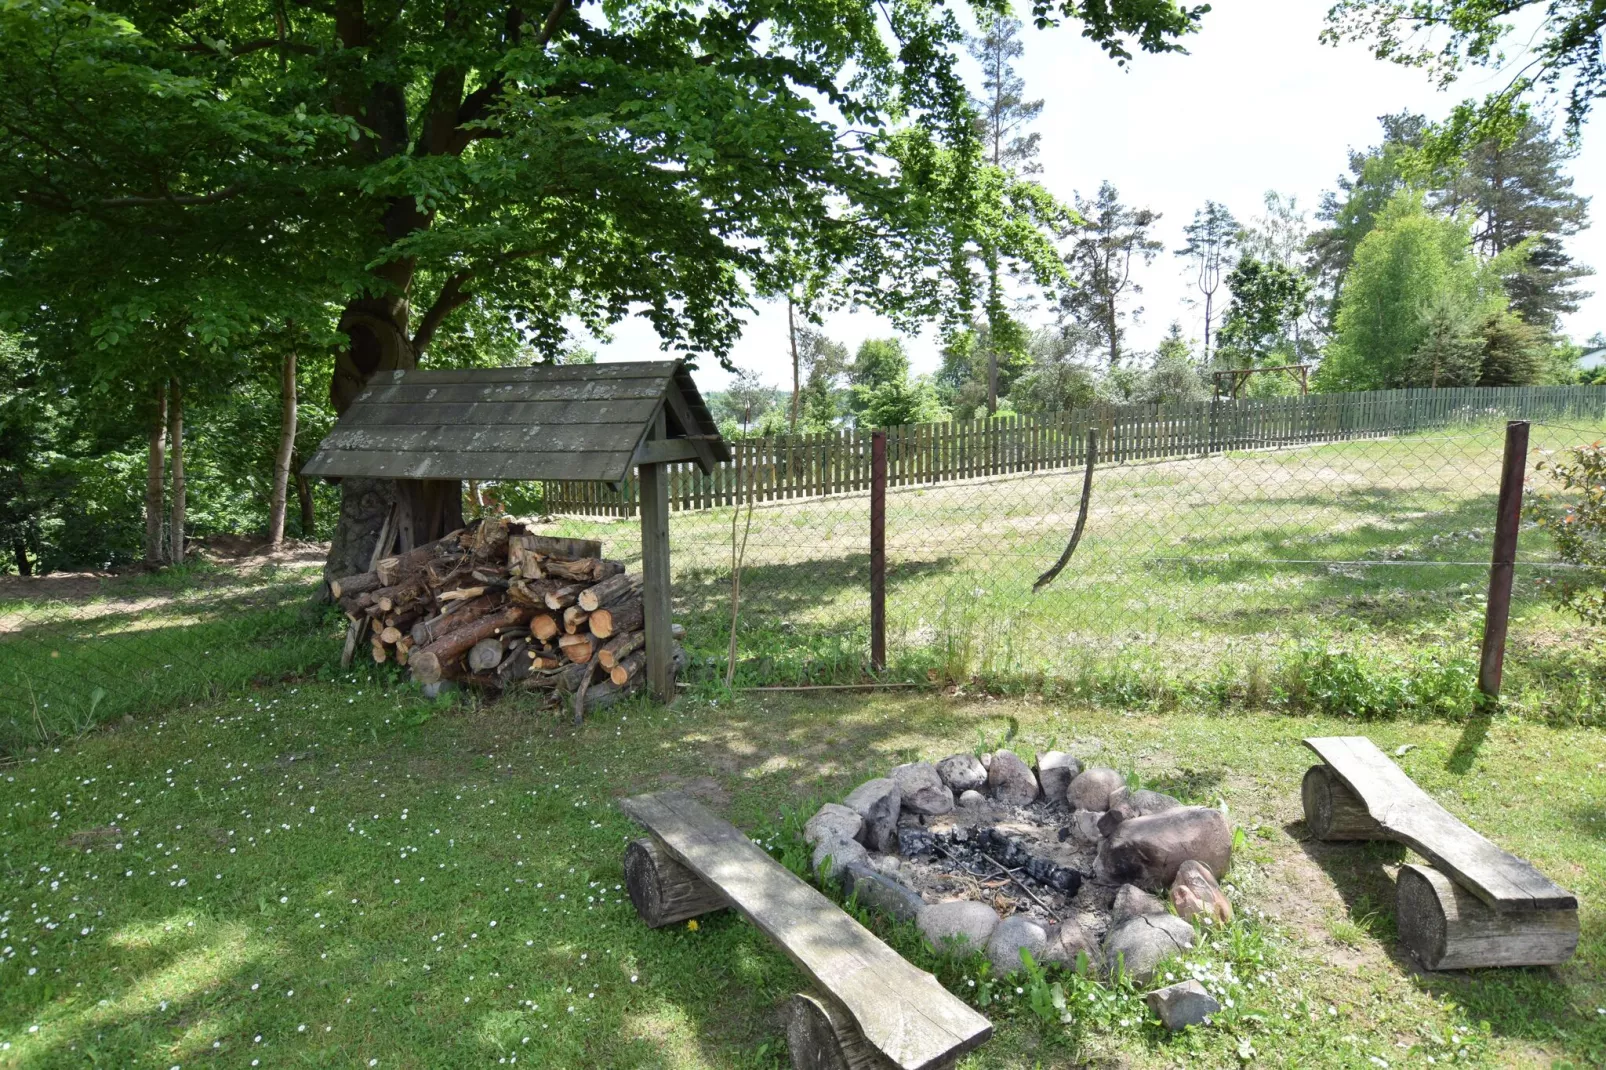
[(1533, 1003)]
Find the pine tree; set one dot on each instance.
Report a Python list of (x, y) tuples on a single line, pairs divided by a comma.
[(1004, 114), (1101, 258), (1451, 350), (1212, 239)]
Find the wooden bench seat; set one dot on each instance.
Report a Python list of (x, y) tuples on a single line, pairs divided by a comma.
[(1477, 905), (879, 1009)]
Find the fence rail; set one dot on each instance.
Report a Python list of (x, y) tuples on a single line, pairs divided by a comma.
[(811, 466)]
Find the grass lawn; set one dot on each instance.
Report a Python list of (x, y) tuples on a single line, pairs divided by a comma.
[(333, 874)]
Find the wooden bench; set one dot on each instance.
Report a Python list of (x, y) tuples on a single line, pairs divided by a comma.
[(874, 1010), (1476, 904)]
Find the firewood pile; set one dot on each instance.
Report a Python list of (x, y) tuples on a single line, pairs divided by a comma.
[(494, 606)]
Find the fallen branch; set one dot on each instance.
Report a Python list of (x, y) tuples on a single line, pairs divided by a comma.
[(1081, 514)]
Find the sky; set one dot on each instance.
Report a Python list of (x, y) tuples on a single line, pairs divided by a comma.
[(1257, 104)]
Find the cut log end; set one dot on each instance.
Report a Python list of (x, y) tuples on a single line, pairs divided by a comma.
[(1446, 927), (822, 1036), (426, 667), (662, 890), (1332, 812)]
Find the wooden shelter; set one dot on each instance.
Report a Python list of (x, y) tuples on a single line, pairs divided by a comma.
[(550, 422)]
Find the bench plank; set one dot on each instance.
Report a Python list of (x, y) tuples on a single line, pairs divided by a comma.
[(1499, 878), (903, 1011)]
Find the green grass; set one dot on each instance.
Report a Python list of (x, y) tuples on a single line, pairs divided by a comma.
[(328, 873)]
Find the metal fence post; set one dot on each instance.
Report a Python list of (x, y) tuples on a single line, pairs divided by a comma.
[(878, 550), (1508, 518)]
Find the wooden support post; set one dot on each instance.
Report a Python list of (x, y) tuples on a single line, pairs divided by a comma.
[(1508, 518), (662, 890), (1332, 812), (1446, 927), (655, 581), (878, 551)]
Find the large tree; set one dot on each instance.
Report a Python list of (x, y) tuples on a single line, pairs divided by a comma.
[(1003, 116), (1561, 55), (559, 165), (1104, 248), (1213, 236), (1262, 322)]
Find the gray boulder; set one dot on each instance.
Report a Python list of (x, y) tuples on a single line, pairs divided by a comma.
[(1149, 850), (1084, 826), (833, 821), (882, 894), (1068, 939), (971, 798), (1014, 933), (962, 772), (922, 788), (1010, 780), (1124, 805), (959, 927), (834, 856), (878, 802), (1055, 771), (1133, 902), (1138, 945), (1091, 788), (1182, 1004)]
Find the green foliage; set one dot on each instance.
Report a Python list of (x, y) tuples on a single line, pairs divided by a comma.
[(1561, 55), (1111, 240), (1061, 375), (961, 380), (899, 402), (1572, 511), (1267, 301), (1411, 261), (1514, 353), (878, 362), (1451, 352), (1331, 680)]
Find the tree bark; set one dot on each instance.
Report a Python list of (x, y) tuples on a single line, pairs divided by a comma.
[(19, 550), (155, 477), (175, 435), (287, 445), (797, 372), (309, 521)]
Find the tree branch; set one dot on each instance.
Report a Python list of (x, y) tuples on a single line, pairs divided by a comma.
[(449, 300), (228, 51), (181, 199), (560, 8)]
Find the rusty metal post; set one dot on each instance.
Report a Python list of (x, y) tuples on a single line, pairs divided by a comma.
[(878, 550), (1508, 518)]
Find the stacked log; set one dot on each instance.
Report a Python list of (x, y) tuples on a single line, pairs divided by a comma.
[(495, 605)]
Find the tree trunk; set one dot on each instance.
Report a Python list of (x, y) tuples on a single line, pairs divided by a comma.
[(287, 445), (1208, 295), (377, 327), (175, 436), (154, 478), (797, 368), (19, 551), (309, 522)]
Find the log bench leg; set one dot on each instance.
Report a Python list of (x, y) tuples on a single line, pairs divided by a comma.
[(822, 1036), (1332, 812), (663, 890), (1446, 927)]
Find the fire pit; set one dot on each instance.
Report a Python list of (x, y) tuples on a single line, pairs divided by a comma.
[(985, 852)]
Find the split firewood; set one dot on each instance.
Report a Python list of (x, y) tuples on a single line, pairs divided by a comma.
[(532, 592), (485, 655), (617, 619), (608, 591), (490, 540), (620, 647), (539, 660), (354, 585), (390, 569), (606, 570), (579, 647), (378, 648), (566, 596), (390, 636), (429, 664), (622, 673), (461, 593), (583, 569), (544, 626), (452, 615), (553, 546), (574, 618)]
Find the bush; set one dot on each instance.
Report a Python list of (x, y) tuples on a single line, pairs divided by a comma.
[(1573, 513)]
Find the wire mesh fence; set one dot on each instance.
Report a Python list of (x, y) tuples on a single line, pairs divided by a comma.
[(1358, 566)]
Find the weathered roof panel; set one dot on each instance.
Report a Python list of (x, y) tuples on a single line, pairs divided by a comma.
[(574, 422)]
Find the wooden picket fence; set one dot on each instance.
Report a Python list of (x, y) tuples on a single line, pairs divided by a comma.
[(838, 462)]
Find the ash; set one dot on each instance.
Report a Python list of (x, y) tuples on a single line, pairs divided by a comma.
[(1019, 860)]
